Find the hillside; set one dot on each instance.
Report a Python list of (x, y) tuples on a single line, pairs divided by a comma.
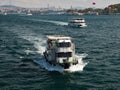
[(111, 9), (9, 6)]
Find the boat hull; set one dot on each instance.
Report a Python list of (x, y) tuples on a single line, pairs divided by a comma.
[(65, 65), (76, 25)]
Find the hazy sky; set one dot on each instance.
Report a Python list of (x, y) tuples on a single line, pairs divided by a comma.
[(60, 3)]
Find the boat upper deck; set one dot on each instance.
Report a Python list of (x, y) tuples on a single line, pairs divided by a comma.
[(58, 37)]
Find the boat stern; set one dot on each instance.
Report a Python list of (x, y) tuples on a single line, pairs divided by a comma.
[(67, 62)]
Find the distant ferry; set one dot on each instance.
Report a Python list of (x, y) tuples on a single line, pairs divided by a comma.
[(5, 13), (77, 22), (29, 14), (60, 50)]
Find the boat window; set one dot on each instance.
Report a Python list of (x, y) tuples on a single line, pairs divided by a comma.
[(65, 44), (62, 54)]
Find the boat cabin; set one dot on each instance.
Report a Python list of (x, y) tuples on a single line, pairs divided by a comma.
[(58, 41), (60, 49)]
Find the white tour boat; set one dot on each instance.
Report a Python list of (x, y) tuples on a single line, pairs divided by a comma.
[(29, 13), (5, 13), (77, 22), (60, 50)]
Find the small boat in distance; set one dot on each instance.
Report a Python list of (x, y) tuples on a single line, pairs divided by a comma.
[(77, 22), (60, 50), (5, 13), (29, 13)]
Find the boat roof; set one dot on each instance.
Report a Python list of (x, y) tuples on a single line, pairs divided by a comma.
[(78, 19), (58, 37)]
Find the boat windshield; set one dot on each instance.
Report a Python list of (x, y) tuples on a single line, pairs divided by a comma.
[(63, 54), (65, 44)]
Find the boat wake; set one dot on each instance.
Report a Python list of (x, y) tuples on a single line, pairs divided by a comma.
[(53, 22), (80, 66), (73, 68), (39, 45)]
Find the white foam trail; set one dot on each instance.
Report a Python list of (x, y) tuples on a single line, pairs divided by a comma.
[(80, 66), (29, 52), (29, 35), (74, 68), (54, 22), (47, 66), (38, 43)]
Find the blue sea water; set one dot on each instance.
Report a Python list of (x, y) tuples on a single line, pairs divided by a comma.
[(22, 41)]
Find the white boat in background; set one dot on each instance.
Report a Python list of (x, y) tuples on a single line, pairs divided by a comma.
[(29, 13), (60, 50), (5, 13), (77, 22)]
